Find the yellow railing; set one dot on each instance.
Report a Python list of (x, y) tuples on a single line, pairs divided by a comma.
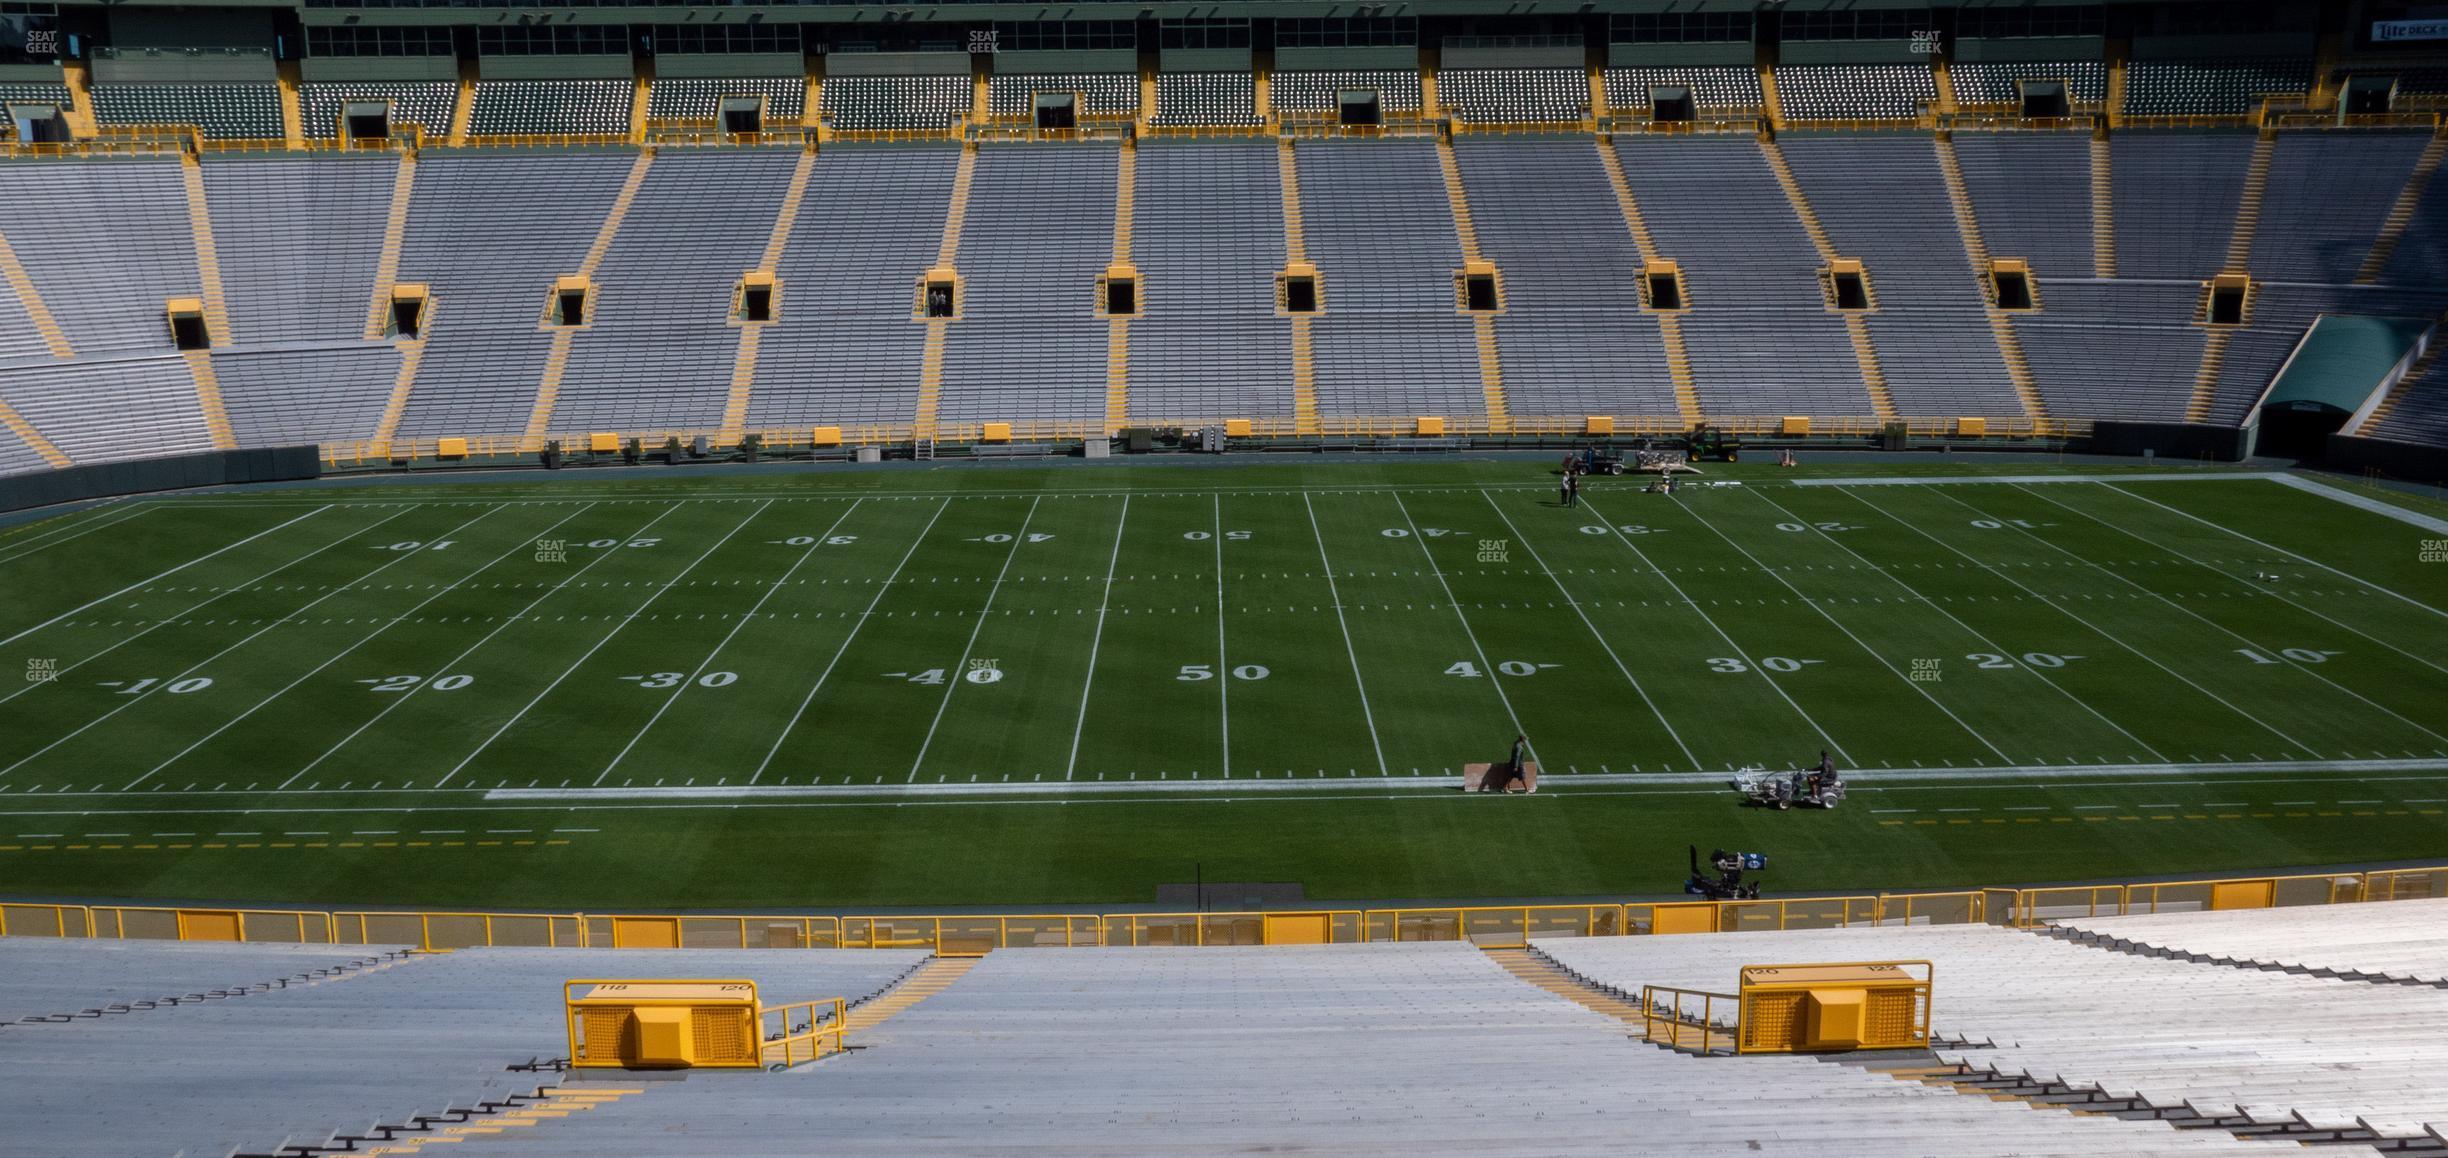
[(1687, 1019), (824, 1031), (1493, 926), (1747, 121)]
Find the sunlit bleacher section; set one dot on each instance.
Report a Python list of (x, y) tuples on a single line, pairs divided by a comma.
[(659, 351), (552, 107), (1761, 337), (305, 1064), (1390, 340), (111, 407), (292, 276), (1855, 92), (306, 394), (56, 980), (700, 98), (1995, 84), (2209, 1045), (896, 102), (845, 347), (1100, 93), (489, 234), (1573, 340), (425, 104), (111, 240), (33, 93), (2402, 942), (1029, 344), (1318, 91), (1884, 202), (1713, 88), (2220, 87), (231, 111), (1206, 98), (1208, 238), (2115, 349), (1514, 95)]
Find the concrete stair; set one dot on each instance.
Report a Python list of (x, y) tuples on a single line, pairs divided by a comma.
[(2205, 380), (1466, 232), (751, 337), (556, 363), (412, 356), (926, 981), (1296, 249), (1670, 326), (1794, 197), (395, 234), (1679, 367), (208, 397), (930, 381), (1117, 329), (463, 109), (2248, 209), (207, 251), (2103, 210), (2401, 212), (1865, 355), (1976, 250), (2114, 944)]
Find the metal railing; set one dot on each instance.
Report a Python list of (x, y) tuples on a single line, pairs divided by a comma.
[(1493, 926), (824, 1032), (1686, 1019)]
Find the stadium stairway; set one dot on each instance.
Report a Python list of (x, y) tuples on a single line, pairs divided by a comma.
[(307, 974), (1491, 360), (2401, 212), (947, 253), (1117, 328), (216, 306), (2103, 210), (1857, 326), (1976, 249), (929, 979), (548, 388), (22, 284), (1296, 250), (25, 432), (751, 334), (2248, 208), (2405, 383), (1670, 325), (386, 261)]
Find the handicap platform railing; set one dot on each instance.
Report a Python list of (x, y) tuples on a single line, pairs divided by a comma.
[(954, 935)]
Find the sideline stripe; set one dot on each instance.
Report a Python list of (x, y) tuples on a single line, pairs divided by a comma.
[(173, 571), (2034, 776), (2360, 502), (2021, 479)]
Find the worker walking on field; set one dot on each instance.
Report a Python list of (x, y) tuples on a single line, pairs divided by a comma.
[(1572, 488)]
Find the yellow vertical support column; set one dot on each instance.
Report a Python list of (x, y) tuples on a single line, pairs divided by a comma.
[(947, 253), (1976, 251), (981, 88), (751, 335), (293, 116), (1466, 231), (548, 390), (216, 310), (2401, 212), (1670, 326), (1117, 328), (1296, 252)]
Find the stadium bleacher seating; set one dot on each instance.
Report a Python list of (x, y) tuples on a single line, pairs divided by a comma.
[(1514, 95), (2398, 942), (420, 1037), (1994, 83), (2209, 87), (1208, 238), (1318, 91), (1029, 343), (1206, 98), (1713, 88), (700, 98), (423, 103), (2132, 1026), (895, 102), (2329, 193), (114, 242), (1389, 341), (562, 107), (1109, 93), (53, 979), (232, 111), (1860, 92), (293, 277)]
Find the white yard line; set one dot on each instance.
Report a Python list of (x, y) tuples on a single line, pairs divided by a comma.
[(1748, 660), (2362, 502), (617, 628), (1335, 595), (34, 545), (1825, 614), (2227, 530), (1223, 676), (175, 570), (2222, 628), (2061, 606), (369, 637), (1968, 629), (472, 648), (1954, 480), (953, 679), (1494, 677), (1596, 634), (744, 620), (864, 616), (199, 664), (1113, 563), (192, 608)]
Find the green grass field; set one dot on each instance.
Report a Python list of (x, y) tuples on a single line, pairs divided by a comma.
[(1009, 687)]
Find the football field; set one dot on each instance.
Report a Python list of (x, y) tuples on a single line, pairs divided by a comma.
[(1015, 686)]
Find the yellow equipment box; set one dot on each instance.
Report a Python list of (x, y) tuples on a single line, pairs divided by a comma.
[(1856, 1005), (662, 1024)]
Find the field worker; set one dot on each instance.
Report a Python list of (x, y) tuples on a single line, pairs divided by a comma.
[(1572, 490)]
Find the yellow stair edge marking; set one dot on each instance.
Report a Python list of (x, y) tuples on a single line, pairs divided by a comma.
[(2206, 379), (1483, 327), (293, 117), (1296, 249), (2401, 212), (1117, 329), (22, 283), (395, 236), (751, 337), (463, 108), (932, 978), (1976, 251), (1304, 379), (207, 251), (208, 398), (25, 431), (2103, 210), (1670, 327), (956, 214), (412, 356), (556, 363), (1794, 197), (2248, 207), (1865, 355)]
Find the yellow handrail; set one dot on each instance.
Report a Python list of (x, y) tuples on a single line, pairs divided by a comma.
[(1670, 1007), (827, 1019)]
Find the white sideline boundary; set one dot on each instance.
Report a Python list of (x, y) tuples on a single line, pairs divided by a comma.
[(2031, 775), (1955, 480), (2363, 503)]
